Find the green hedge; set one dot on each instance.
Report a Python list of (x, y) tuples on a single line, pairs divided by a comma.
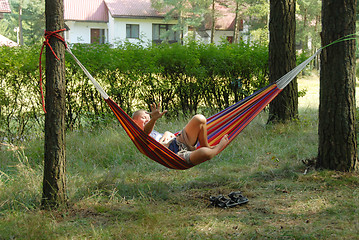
[(184, 79)]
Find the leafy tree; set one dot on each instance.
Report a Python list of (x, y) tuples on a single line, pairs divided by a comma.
[(26, 19), (337, 135), (188, 12), (174, 9), (214, 14), (256, 14), (197, 12), (308, 24)]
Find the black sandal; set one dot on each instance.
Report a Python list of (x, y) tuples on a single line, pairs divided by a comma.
[(235, 198)]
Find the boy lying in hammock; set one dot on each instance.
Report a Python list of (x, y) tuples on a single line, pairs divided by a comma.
[(184, 144)]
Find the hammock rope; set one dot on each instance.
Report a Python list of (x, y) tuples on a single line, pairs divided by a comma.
[(48, 35), (230, 121)]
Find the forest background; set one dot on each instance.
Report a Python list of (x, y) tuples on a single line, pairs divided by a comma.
[(116, 193), (185, 79)]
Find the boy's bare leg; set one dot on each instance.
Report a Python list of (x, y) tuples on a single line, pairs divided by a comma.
[(196, 130), (205, 153)]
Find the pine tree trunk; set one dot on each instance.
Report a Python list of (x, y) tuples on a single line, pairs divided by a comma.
[(236, 24), (213, 29), (54, 184), (282, 59), (337, 135)]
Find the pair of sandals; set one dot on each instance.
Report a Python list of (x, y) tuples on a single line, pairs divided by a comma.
[(235, 198)]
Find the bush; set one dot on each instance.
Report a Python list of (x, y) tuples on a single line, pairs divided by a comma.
[(185, 79)]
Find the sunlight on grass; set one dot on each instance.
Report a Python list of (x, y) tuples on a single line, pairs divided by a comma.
[(311, 99), (117, 193), (311, 206)]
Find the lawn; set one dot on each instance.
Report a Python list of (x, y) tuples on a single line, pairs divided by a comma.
[(116, 193)]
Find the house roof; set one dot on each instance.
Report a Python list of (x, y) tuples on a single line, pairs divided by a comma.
[(132, 8), (7, 42), (4, 6), (225, 19), (97, 10), (85, 10)]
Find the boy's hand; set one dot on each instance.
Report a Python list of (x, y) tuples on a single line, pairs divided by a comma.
[(155, 111)]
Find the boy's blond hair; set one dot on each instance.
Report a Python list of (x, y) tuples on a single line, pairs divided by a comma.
[(137, 113)]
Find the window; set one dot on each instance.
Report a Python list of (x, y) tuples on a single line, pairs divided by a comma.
[(98, 35), (132, 30), (164, 32)]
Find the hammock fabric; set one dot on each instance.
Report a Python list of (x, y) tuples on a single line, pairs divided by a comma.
[(230, 121)]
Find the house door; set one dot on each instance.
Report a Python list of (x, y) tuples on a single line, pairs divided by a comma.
[(97, 35)]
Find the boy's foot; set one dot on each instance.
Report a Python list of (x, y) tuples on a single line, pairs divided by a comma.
[(223, 143)]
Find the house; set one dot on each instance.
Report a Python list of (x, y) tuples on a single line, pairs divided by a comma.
[(4, 7), (4, 41), (135, 21), (224, 25)]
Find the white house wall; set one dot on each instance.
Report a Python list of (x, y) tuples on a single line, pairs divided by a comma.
[(80, 32), (220, 36), (118, 30), (111, 24)]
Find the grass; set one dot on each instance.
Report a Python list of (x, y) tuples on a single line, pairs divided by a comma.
[(116, 193)]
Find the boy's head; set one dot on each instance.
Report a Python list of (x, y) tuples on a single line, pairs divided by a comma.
[(141, 117)]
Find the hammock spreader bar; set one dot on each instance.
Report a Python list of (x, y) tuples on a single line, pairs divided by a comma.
[(231, 120)]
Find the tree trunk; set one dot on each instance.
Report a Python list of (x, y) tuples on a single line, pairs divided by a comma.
[(236, 24), (282, 59), (21, 36), (213, 29), (54, 184), (337, 135)]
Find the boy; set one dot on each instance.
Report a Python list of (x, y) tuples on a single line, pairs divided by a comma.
[(184, 144)]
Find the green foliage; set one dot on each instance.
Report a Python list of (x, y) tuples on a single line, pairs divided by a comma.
[(19, 95), (32, 19), (185, 79), (308, 23)]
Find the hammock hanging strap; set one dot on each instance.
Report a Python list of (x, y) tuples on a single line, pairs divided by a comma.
[(287, 78), (92, 79)]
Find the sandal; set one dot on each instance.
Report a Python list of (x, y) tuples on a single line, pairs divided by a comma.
[(235, 198)]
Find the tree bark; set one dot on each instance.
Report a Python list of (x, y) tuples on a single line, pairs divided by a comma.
[(213, 16), (282, 59), (21, 36), (54, 182), (337, 135), (236, 24)]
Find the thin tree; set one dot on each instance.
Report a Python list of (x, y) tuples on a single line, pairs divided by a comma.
[(213, 22), (337, 135), (237, 22), (282, 58), (54, 184)]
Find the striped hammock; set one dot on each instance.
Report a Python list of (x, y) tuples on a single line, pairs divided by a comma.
[(230, 121)]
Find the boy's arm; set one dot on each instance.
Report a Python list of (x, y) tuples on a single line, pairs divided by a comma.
[(150, 126)]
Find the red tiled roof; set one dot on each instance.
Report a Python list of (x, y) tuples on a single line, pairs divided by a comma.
[(4, 6), (85, 10), (225, 20), (132, 8), (7, 42)]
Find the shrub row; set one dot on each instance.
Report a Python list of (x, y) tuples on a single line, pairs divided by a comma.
[(184, 79)]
